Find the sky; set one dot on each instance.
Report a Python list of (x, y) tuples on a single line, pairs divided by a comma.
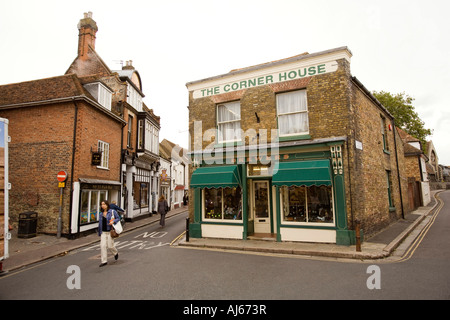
[(397, 46)]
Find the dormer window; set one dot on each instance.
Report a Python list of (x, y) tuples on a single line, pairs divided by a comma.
[(101, 93), (134, 98)]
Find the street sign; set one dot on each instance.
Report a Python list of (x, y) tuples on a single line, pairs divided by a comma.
[(61, 176)]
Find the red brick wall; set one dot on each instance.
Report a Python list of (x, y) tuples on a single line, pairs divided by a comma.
[(42, 144)]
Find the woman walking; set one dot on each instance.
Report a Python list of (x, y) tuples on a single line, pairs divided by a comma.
[(162, 210), (108, 217)]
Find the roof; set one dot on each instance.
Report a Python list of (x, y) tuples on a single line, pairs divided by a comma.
[(47, 91), (170, 150), (406, 137), (41, 90), (94, 64)]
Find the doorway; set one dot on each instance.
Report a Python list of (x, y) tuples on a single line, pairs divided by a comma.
[(261, 206)]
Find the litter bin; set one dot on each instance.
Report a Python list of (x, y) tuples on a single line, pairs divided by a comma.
[(27, 225)]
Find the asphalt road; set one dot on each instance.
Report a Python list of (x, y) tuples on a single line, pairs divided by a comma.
[(150, 268)]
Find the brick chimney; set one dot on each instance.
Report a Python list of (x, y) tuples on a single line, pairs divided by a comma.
[(87, 29)]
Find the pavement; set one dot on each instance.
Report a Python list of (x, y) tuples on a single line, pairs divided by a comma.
[(390, 242)]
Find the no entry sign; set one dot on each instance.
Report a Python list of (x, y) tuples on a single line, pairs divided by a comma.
[(61, 176)]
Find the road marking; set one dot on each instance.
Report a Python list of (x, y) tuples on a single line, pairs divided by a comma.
[(409, 253)]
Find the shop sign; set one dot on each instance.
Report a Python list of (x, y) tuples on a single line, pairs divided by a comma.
[(96, 158), (270, 78)]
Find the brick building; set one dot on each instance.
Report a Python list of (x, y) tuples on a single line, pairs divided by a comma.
[(297, 150), (89, 122), (140, 144), (415, 171)]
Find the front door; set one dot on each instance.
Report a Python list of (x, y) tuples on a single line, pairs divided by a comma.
[(261, 207)]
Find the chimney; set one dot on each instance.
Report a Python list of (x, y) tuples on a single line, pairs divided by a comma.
[(87, 28), (128, 65)]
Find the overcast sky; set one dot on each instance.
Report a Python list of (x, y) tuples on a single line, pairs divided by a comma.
[(397, 46)]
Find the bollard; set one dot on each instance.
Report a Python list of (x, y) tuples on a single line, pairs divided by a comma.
[(187, 229), (358, 235)]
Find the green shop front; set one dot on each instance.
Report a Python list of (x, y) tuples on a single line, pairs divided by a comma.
[(296, 195)]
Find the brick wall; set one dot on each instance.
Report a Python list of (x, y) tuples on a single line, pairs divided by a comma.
[(42, 144), (369, 196), (337, 107)]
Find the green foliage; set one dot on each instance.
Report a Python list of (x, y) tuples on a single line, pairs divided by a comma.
[(400, 106)]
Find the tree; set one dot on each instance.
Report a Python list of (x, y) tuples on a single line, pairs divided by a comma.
[(400, 106)]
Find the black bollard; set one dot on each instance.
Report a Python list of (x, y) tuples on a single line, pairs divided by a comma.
[(187, 229)]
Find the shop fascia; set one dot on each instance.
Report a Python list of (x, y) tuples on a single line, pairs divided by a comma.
[(267, 78)]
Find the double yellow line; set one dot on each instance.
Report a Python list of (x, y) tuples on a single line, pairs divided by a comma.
[(409, 253), (177, 238)]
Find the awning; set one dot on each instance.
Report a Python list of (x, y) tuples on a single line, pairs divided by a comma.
[(303, 173), (216, 177)]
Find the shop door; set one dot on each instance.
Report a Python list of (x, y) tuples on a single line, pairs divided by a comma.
[(261, 207)]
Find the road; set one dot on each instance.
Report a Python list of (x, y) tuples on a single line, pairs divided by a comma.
[(150, 268)]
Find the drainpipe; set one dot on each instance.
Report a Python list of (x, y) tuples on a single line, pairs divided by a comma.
[(398, 171), (75, 120)]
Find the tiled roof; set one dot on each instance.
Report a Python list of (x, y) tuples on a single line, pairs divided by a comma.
[(41, 90)]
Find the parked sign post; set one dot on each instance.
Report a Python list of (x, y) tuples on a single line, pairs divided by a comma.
[(61, 177)]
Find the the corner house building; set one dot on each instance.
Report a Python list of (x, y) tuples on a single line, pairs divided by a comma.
[(295, 149)]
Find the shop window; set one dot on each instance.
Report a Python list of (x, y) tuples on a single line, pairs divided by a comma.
[(222, 204), (140, 191), (90, 205), (312, 204), (229, 122), (292, 111)]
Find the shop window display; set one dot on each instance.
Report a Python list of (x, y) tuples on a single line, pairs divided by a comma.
[(90, 205), (312, 204), (223, 203)]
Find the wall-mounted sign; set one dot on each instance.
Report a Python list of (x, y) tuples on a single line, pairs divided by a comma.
[(96, 158), (269, 78)]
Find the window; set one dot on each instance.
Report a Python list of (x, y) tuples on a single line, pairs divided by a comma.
[(101, 93), (141, 188), (90, 205), (312, 204), (292, 113), (389, 189), (222, 204), (229, 122), (141, 134), (130, 130), (384, 134), (134, 98), (104, 148), (148, 136)]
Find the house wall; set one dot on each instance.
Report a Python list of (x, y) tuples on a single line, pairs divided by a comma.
[(42, 145)]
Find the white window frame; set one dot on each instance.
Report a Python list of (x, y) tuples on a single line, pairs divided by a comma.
[(134, 98), (104, 147), (89, 193), (130, 131), (292, 113), (100, 92), (220, 123)]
